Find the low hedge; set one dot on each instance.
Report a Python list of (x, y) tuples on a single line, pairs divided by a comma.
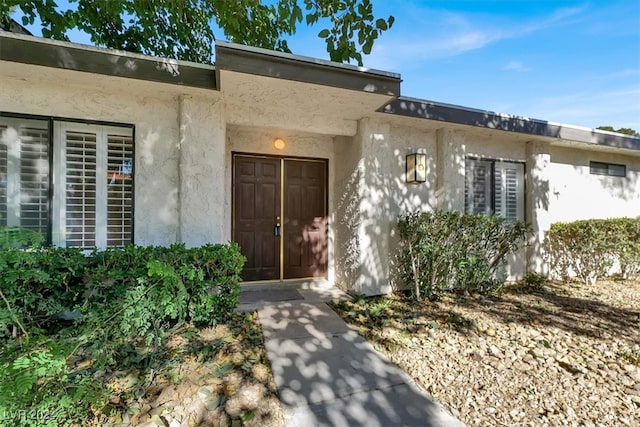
[(449, 251), (111, 307), (162, 285), (593, 248)]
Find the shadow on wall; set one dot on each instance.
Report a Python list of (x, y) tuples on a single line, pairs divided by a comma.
[(371, 198)]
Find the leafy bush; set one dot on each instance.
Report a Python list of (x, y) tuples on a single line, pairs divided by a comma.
[(590, 248), (533, 280), (38, 285), (449, 251), (18, 237), (58, 302)]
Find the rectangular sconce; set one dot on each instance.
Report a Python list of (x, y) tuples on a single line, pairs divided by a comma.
[(416, 168)]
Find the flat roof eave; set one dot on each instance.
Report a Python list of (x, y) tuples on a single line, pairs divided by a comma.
[(39, 51), (432, 110), (269, 63)]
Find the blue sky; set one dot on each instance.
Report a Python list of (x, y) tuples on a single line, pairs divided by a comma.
[(573, 62)]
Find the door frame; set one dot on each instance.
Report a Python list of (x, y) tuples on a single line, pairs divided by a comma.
[(282, 159)]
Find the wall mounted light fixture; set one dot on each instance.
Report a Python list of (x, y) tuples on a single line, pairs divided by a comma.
[(416, 168), (278, 144)]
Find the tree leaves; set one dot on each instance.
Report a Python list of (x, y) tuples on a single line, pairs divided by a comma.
[(182, 30)]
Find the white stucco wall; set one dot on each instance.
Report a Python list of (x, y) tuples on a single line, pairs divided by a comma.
[(373, 193), (154, 110), (347, 219), (184, 139), (202, 170), (576, 194)]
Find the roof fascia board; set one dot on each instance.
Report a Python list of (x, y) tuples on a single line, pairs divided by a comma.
[(430, 110), (263, 62), (71, 56)]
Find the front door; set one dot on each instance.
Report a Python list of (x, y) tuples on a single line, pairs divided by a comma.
[(280, 216)]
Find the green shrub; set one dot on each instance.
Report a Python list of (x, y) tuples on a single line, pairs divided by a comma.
[(449, 251), (38, 285), (57, 301), (588, 249), (18, 237), (533, 280)]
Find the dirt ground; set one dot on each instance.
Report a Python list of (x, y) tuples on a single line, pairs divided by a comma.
[(563, 354), (218, 376)]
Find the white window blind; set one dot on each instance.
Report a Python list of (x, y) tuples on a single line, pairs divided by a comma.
[(24, 174), (509, 190), (80, 188), (494, 187), (94, 169), (120, 189)]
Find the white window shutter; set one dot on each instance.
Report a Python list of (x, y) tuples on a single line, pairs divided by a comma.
[(119, 187), (509, 190), (80, 188)]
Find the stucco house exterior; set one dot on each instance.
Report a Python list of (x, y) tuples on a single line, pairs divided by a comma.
[(301, 161)]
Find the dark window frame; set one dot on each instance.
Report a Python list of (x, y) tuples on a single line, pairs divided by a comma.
[(605, 169), (50, 121)]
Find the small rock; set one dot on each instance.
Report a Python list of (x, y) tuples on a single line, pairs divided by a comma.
[(536, 353), (495, 351)]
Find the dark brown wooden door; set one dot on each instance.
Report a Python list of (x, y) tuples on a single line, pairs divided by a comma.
[(256, 210), (258, 190), (305, 218)]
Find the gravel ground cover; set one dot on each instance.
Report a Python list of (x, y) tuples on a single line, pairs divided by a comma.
[(558, 355)]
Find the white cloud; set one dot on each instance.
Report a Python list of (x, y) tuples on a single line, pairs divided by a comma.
[(516, 66), (448, 34), (591, 109)]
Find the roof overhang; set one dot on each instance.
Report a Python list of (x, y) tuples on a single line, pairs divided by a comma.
[(430, 110), (269, 63), (72, 56)]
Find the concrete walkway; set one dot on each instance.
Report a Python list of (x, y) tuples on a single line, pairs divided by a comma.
[(327, 375)]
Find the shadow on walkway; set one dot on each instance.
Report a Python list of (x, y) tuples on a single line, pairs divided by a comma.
[(327, 375)]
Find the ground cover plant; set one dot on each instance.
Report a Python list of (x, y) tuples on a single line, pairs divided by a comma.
[(536, 354), (129, 336)]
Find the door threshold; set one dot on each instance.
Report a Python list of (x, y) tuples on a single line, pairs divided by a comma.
[(302, 283)]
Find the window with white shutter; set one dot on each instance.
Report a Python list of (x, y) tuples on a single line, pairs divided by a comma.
[(494, 187), (24, 174), (91, 201), (93, 170)]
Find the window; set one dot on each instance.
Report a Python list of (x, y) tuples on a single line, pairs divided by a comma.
[(92, 176), (609, 169), (494, 187), (24, 174)]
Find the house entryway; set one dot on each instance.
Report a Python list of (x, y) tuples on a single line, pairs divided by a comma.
[(280, 216)]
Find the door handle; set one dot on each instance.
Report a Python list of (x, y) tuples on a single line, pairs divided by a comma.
[(276, 230)]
